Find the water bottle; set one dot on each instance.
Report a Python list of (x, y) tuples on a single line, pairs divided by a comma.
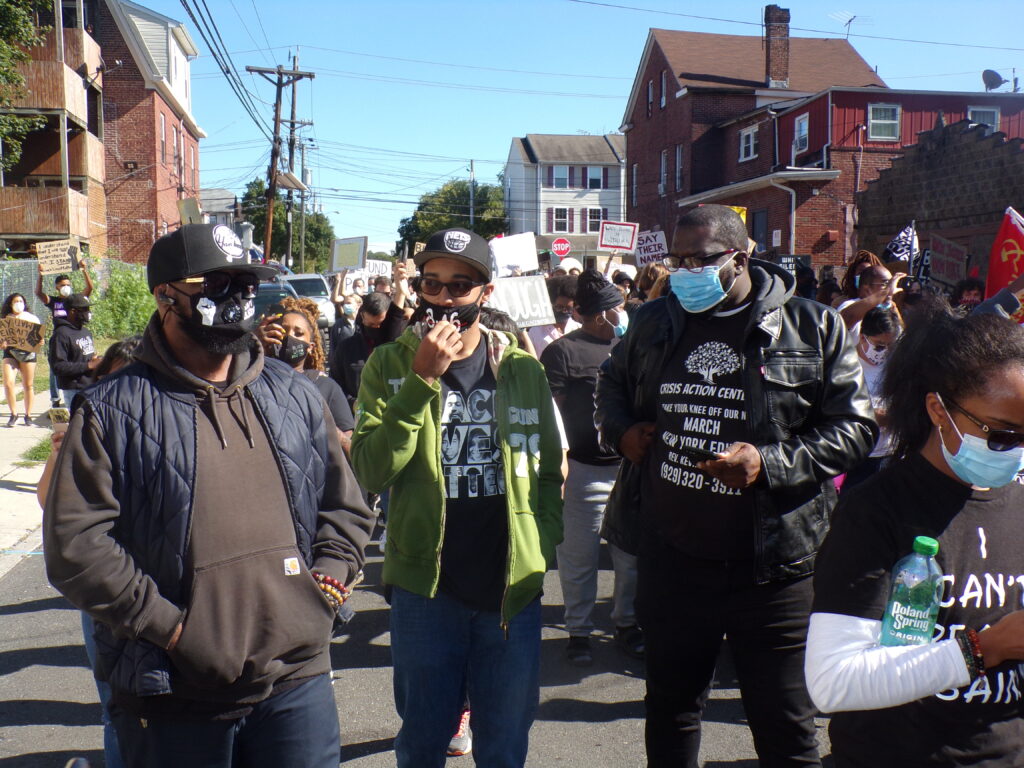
[(914, 599)]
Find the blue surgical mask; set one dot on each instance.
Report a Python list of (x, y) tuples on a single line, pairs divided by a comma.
[(977, 464), (698, 290), (622, 325)]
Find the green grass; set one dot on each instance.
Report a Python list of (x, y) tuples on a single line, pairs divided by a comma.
[(37, 453)]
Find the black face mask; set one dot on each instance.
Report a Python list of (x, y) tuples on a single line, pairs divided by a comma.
[(374, 335), (561, 318), (232, 315), (292, 350), (461, 317)]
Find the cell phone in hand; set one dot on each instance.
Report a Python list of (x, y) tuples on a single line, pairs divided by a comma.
[(697, 454), (59, 418)]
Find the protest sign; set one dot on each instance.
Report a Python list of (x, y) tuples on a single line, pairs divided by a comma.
[(650, 248), (57, 256), (378, 268), (417, 247), (21, 334), (617, 236), (348, 253), (524, 299), (514, 254), (189, 211), (948, 261)]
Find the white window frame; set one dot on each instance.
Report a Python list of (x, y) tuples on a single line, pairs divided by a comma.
[(873, 123), (564, 220), (991, 127), (163, 138), (636, 172), (595, 173), (663, 174), (555, 177), (663, 81), (802, 132), (192, 165), (650, 97), (748, 143), (679, 167), (590, 224)]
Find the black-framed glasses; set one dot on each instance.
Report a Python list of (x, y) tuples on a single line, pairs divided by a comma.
[(998, 439), (428, 286), (694, 261), (217, 285)]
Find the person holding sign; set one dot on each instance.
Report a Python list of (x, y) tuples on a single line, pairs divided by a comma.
[(17, 360), (57, 304)]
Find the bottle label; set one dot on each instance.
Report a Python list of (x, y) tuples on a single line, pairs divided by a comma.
[(906, 617)]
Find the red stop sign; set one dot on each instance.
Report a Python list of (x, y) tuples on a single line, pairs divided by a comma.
[(561, 247)]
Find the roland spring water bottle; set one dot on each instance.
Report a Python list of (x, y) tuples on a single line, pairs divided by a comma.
[(914, 599)]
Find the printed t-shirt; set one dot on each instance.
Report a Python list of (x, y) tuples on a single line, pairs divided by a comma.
[(57, 306)]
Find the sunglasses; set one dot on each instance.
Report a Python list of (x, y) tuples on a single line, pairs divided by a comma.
[(674, 263), (217, 285), (999, 440), (428, 286)]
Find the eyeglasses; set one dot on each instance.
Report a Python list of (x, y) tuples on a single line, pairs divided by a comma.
[(694, 262), (428, 286), (998, 439), (217, 285)]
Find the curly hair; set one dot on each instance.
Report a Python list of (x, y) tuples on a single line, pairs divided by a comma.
[(863, 259), (308, 309), (8, 308)]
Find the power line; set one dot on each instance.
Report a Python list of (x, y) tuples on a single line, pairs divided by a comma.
[(265, 52)]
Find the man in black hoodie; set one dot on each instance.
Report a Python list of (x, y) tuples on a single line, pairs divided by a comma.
[(203, 513), (72, 352)]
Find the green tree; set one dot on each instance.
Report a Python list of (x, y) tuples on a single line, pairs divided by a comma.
[(448, 206), (18, 33), (319, 232)]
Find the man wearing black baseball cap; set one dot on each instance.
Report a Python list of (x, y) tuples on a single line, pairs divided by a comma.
[(459, 423), (203, 513)]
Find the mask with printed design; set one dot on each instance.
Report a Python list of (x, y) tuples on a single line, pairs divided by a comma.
[(461, 317)]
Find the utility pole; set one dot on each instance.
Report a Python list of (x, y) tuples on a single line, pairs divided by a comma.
[(281, 78), (302, 213), (291, 160), (472, 194)]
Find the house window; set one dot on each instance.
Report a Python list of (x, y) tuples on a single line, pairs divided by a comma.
[(663, 174), (561, 220), (192, 165), (800, 133), (679, 167), (593, 220), (749, 143), (663, 89), (636, 172), (650, 97), (561, 177), (595, 177), (883, 122), (984, 116), (174, 136), (163, 139)]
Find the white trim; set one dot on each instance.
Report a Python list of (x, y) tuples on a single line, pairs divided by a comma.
[(600, 176), (999, 116), (554, 176), (806, 119), (898, 121), (662, 98), (751, 131), (554, 220), (740, 187)]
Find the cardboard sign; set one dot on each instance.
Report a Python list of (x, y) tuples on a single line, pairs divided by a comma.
[(348, 253), (618, 236), (515, 252), (378, 268), (650, 248), (21, 334), (948, 261), (188, 210), (525, 299), (57, 256), (417, 247)]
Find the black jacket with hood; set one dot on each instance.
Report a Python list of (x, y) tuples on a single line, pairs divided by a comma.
[(71, 349), (808, 412)]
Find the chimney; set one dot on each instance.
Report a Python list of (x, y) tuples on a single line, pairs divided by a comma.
[(776, 51)]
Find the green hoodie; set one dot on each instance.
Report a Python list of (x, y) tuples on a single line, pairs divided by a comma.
[(397, 445)]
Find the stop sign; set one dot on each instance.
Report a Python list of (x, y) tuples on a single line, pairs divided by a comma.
[(561, 247)]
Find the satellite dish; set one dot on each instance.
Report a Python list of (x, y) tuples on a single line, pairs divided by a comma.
[(992, 79)]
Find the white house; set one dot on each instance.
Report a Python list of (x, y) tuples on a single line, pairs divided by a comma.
[(564, 186)]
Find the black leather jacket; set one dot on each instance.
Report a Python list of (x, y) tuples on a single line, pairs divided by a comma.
[(808, 414)]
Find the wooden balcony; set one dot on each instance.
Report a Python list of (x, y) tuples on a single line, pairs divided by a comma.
[(51, 85), (85, 157), (81, 52), (43, 211)]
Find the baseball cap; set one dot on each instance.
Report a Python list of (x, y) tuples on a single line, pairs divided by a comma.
[(195, 249), (459, 244), (77, 301)]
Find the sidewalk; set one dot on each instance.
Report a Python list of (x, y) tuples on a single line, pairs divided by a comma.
[(20, 515)]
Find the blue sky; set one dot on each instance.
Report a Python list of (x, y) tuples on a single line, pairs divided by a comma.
[(407, 91)]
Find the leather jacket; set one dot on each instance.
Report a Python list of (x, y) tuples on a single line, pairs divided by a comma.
[(808, 414)]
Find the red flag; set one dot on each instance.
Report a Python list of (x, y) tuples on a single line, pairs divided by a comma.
[(1006, 261)]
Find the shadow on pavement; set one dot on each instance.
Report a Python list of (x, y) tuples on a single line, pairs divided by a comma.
[(54, 656), (366, 748), (31, 606), (18, 486), (41, 712), (578, 711), (51, 759)]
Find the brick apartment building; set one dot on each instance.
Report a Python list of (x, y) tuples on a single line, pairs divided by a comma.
[(789, 128), (150, 135)]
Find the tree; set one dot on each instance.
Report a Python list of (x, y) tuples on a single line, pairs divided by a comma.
[(18, 33), (712, 359), (319, 232), (448, 206)]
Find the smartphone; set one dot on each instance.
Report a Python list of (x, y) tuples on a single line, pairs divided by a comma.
[(697, 454), (59, 418)]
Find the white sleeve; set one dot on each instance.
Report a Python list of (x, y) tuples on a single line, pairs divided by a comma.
[(846, 668)]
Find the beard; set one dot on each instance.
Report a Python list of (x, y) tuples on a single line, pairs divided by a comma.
[(218, 341)]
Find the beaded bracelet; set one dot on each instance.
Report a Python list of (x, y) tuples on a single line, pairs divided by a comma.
[(335, 592), (975, 643), (970, 648)]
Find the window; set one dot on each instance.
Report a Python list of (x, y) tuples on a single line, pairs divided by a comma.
[(163, 139), (174, 136), (679, 167), (650, 97), (561, 220), (984, 116), (800, 133), (663, 89), (593, 220), (759, 229), (883, 122), (595, 177), (561, 177), (749, 143), (192, 165), (663, 174), (636, 172)]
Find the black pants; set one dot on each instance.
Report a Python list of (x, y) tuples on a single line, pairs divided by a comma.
[(686, 607)]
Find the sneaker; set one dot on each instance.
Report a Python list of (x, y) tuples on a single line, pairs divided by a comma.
[(28, 421), (13, 420), (461, 743), (631, 640), (578, 651)]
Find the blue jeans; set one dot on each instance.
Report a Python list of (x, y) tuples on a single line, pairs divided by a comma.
[(297, 729), (111, 753), (440, 648)]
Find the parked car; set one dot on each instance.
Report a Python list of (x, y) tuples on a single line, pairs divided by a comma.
[(272, 293), (315, 287)]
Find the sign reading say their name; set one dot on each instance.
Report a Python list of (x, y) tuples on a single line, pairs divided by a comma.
[(57, 256), (524, 299), (617, 236), (21, 334), (650, 247)]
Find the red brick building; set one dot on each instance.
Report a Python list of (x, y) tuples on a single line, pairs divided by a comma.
[(789, 128), (151, 137)]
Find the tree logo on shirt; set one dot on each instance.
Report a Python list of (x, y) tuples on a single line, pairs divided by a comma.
[(712, 359)]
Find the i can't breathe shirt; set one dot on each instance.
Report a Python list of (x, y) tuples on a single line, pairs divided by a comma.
[(701, 405), (475, 549)]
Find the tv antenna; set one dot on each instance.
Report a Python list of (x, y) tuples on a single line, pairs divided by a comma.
[(846, 19)]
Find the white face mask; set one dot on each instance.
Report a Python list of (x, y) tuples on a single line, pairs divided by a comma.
[(64, 290), (18, 307), (872, 355)]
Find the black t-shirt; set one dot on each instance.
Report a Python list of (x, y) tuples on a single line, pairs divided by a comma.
[(335, 398), (57, 306), (981, 547), (571, 364), (701, 405), (474, 554)]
